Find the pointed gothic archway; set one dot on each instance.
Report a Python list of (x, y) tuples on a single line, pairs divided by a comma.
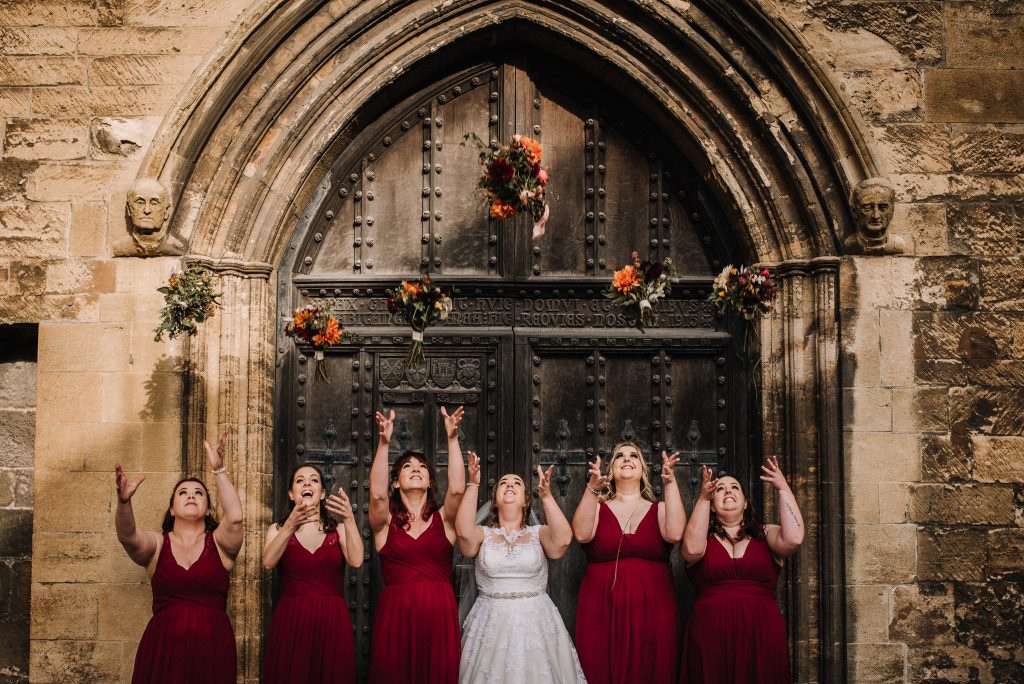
[(249, 157)]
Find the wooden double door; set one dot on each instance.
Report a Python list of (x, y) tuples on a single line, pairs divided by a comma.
[(548, 372)]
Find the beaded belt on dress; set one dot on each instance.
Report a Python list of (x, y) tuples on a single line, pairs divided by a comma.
[(511, 594)]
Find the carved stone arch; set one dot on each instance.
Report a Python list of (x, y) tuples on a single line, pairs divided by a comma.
[(247, 154)]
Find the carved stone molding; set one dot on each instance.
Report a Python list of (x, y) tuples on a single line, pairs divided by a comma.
[(233, 267)]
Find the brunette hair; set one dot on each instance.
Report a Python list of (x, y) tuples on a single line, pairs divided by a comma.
[(492, 520), (210, 521), (646, 491), (399, 512), (750, 526), (326, 521)]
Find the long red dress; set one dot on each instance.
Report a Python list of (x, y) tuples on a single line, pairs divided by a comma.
[(736, 632), (310, 637), (628, 633), (415, 636), (189, 637)]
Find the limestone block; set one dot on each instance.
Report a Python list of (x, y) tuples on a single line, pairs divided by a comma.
[(996, 373), (7, 478), (918, 187), (80, 276), (58, 496), (30, 309), (883, 95), (41, 71), (195, 40), (64, 611), (84, 557), (998, 459), (967, 336), (947, 283), (15, 532), (28, 278), (984, 228), (895, 339), (142, 69), (47, 13), (992, 411), (14, 650), (61, 661), (988, 148), (881, 554), (114, 138), (946, 459), (1005, 553), (860, 349), (950, 554), (37, 41), (922, 614), (35, 230), (46, 139), (202, 13), (110, 12), (974, 95), (5, 280), (94, 347), (67, 397), (876, 663), (18, 384), (913, 28), (977, 35), (883, 457), (990, 617), (948, 663), (145, 275), (992, 188), (104, 101), (124, 611), (88, 229), (161, 446), (924, 226), (862, 503), (867, 409), (165, 356), (868, 612), (73, 180), (919, 410), (962, 504), (913, 147), (14, 101), (138, 309), (14, 177), (893, 503), (17, 437), (885, 282), (142, 396), (1002, 283)]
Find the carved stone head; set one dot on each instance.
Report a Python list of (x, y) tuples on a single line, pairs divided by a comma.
[(149, 205), (873, 202)]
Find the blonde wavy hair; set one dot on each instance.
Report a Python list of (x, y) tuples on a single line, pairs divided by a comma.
[(646, 490)]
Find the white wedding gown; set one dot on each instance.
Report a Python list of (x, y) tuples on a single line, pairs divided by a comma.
[(514, 634)]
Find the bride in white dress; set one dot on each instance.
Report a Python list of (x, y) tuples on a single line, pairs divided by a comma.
[(514, 634)]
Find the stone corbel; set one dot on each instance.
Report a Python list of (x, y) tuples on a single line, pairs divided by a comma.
[(147, 212)]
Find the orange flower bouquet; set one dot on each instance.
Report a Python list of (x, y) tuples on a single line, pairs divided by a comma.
[(514, 179), (421, 304), (748, 291), (637, 286), (319, 328)]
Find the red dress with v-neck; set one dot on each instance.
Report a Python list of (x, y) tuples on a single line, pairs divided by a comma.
[(310, 637), (189, 637), (736, 632), (627, 624), (415, 636)]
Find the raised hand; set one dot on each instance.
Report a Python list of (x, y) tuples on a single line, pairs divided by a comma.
[(773, 474), (125, 489), (385, 426), (302, 514), (340, 505), (452, 422), (544, 482), (597, 480), (668, 465), (708, 484), (474, 467), (216, 457)]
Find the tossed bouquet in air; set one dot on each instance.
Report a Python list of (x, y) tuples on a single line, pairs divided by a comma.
[(514, 180), (420, 303), (748, 291), (637, 286), (316, 327), (190, 298)]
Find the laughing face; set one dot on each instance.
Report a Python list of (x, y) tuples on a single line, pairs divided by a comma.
[(728, 496), (627, 464), (510, 490), (190, 501), (307, 487), (413, 475)]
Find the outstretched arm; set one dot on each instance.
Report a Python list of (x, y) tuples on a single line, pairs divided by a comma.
[(348, 532), (456, 466), (695, 538), (278, 535), (584, 521), (671, 516), (556, 535), (471, 535), (379, 513), (786, 538), (229, 533), (140, 545)]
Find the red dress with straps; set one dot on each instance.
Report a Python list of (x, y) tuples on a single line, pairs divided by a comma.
[(415, 636), (736, 632), (627, 626), (189, 637), (310, 637)]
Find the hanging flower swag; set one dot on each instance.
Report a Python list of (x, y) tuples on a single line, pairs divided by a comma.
[(748, 292), (319, 328), (638, 286), (190, 297), (420, 303), (514, 180)]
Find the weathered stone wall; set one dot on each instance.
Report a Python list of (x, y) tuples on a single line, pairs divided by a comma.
[(933, 364)]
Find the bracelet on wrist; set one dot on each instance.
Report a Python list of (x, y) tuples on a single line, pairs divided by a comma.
[(593, 491), (220, 471), (472, 484)]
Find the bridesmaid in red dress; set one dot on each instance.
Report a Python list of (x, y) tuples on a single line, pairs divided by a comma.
[(627, 625), (415, 637), (310, 637), (189, 637), (736, 633)]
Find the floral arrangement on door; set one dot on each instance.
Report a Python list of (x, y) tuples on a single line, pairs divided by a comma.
[(421, 304), (514, 179), (638, 286), (320, 329)]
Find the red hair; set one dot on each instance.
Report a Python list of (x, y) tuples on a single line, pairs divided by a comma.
[(399, 513)]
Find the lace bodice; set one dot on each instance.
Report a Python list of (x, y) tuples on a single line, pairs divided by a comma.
[(511, 562)]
